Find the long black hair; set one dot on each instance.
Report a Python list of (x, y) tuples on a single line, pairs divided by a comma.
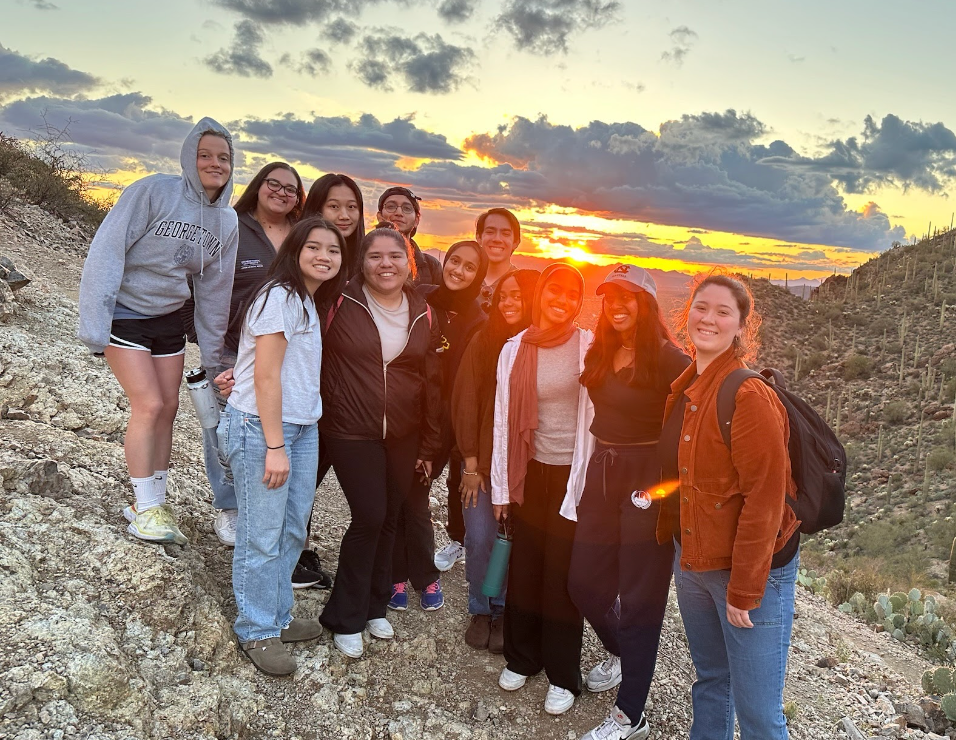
[(285, 269), (648, 338), (319, 193), (493, 335), (250, 196)]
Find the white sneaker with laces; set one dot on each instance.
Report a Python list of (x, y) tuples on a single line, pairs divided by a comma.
[(224, 525), (558, 700), (618, 727), (605, 675), (380, 628), (350, 645), (450, 554), (511, 681)]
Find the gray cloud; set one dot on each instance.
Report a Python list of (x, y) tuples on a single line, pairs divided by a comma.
[(457, 11), (242, 58), (424, 64), (21, 74), (682, 40), (314, 62), (44, 5), (294, 12), (703, 171), (113, 130), (893, 152), (341, 31), (544, 26), (316, 140)]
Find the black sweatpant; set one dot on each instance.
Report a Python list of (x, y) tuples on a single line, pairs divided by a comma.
[(456, 519), (543, 628), (375, 476), (413, 558), (616, 553)]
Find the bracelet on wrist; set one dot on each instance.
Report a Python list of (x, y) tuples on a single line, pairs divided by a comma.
[(465, 472), (276, 448)]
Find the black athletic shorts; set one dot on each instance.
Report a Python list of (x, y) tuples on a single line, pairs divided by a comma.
[(161, 336)]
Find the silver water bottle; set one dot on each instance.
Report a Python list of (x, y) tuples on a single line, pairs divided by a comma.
[(203, 397)]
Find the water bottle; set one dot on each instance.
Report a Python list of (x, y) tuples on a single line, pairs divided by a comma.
[(203, 397), (498, 563)]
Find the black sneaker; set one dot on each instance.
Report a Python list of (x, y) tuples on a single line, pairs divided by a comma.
[(308, 572)]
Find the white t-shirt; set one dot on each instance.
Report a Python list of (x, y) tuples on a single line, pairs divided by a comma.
[(283, 313)]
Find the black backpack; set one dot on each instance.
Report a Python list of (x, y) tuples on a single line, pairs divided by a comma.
[(817, 459)]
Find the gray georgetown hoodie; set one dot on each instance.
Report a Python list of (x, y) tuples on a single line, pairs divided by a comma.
[(163, 229)]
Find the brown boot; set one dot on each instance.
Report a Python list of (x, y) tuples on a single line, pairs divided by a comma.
[(496, 636), (300, 630), (270, 656), (476, 635)]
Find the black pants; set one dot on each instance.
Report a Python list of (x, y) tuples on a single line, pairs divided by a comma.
[(375, 476), (325, 464), (543, 628), (413, 558), (456, 520), (616, 553)]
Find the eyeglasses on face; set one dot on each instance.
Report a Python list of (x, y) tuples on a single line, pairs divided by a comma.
[(276, 187), (406, 208)]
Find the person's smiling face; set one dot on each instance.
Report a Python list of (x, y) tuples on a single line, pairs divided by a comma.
[(713, 321), (460, 268), (560, 299)]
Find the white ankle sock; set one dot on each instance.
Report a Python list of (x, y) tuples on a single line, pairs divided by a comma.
[(159, 489), (143, 489)]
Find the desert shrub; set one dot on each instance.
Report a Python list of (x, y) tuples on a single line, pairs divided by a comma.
[(857, 367), (895, 412), (949, 391), (948, 366), (813, 362), (940, 459)]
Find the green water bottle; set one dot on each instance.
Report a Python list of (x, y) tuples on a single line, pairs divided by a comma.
[(498, 563)]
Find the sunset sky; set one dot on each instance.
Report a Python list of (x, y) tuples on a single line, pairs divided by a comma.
[(796, 138)]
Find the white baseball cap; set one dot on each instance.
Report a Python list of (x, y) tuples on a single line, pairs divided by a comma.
[(632, 278)]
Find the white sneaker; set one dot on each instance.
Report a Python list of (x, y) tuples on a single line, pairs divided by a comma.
[(380, 628), (558, 700), (618, 727), (350, 645), (224, 526), (450, 554), (605, 675), (511, 681)]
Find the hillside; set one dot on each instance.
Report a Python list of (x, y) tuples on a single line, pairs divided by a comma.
[(107, 637)]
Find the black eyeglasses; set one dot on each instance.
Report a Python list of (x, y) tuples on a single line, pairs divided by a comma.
[(275, 186), (486, 293)]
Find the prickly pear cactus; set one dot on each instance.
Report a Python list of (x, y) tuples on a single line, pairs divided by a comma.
[(948, 705), (927, 683), (914, 594), (899, 600), (943, 681)]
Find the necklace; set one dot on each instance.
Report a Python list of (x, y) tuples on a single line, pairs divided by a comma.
[(629, 349)]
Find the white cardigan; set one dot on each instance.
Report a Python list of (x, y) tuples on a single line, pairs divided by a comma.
[(583, 439)]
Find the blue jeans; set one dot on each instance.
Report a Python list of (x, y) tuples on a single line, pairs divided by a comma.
[(480, 531), (749, 664), (271, 528), (218, 472)]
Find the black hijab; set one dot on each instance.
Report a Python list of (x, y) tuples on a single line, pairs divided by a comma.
[(459, 301)]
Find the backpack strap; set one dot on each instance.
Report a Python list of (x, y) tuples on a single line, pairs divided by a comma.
[(727, 398), (333, 309)]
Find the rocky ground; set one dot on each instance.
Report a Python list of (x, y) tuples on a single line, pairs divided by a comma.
[(107, 637)]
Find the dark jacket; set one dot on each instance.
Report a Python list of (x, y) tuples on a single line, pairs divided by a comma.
[(457, 331), (366, 398), (253, 260), (428, 267), (733, 511)]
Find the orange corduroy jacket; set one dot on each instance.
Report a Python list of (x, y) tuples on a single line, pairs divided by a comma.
[(733, 512)]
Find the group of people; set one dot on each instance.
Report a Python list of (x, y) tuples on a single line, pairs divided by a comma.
[(599, 453)]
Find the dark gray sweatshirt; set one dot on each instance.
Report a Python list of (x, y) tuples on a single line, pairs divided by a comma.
[(163, 229)]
